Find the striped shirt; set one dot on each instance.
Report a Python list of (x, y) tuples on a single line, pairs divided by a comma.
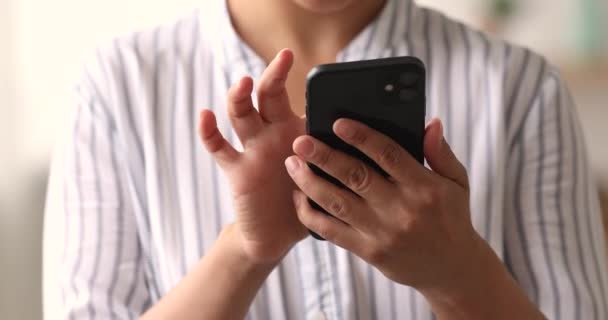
[(143, 201)]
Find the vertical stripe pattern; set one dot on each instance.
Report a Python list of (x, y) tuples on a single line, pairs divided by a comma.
[(143, 202)]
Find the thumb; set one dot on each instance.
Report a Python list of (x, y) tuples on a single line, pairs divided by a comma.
[(440, 157)]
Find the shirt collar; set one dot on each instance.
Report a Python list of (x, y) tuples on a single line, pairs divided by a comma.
[(377, 40)]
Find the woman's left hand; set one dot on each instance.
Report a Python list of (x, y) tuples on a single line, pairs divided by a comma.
[(415, 226)]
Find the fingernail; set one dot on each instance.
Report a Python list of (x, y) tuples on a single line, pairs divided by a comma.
[(305, 147), (344, 130), (292, 164)]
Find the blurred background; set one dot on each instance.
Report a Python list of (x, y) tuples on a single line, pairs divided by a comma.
[(43, 43)]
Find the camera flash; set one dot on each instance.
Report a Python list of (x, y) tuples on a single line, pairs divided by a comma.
[(389, 88)]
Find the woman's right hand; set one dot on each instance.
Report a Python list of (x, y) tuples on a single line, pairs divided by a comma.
[(266, 222)]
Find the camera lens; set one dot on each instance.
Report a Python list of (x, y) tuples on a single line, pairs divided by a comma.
[(408, 79), (407, 94)]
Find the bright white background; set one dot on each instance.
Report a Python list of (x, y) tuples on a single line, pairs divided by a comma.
[(42, 45)]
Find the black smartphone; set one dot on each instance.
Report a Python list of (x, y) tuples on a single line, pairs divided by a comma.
[(386, 94)]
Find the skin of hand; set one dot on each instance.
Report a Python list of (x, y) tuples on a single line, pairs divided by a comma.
[(414, 226), (411, 226), (266, 222)]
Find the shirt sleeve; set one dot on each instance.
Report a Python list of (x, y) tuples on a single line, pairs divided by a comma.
[(102, 263), (554, 242)]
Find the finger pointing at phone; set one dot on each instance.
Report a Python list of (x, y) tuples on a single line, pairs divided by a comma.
[(266, 225)]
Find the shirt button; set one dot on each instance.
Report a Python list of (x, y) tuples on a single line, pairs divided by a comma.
[(318, 315)]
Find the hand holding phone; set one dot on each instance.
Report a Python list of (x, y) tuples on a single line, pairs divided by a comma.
[(386, 94)]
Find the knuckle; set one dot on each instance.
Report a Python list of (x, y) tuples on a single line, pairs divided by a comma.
[(429, 196), (325, 231), (337, 207), (236, 98), (426, 200), (304, 181), (433, 196), (239, 109), (262, 95), (214, 143), (358, 178), (394, 240), (375, 256), (306, 216), (233, 93), (270, 89), (262, 90), (441, 190), (408, 227), (324, 157), (389, 156), (358, 137), (436, 194)]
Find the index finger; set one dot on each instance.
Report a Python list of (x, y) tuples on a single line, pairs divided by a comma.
[(387, 153), (273, 100)]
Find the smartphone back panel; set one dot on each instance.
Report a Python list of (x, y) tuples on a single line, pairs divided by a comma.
[(386, 94)]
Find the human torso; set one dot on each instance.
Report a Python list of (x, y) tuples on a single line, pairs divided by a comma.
[(182, 199)]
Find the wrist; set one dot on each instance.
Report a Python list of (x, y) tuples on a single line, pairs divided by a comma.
[(461, 297), (485, 291), (221, 286), (231, 242)]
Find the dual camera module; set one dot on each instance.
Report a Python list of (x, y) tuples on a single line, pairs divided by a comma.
[(402, 85)]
